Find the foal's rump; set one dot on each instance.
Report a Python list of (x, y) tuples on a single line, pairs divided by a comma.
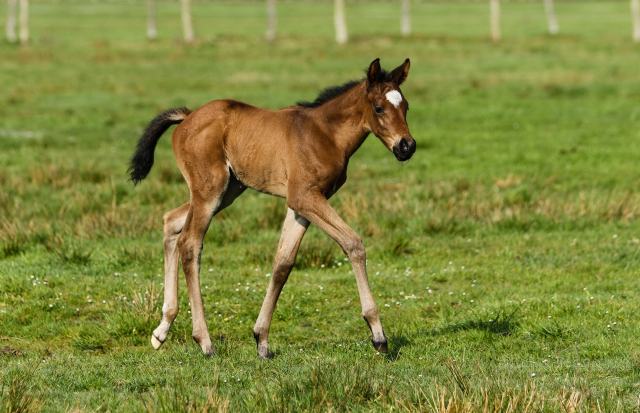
[(253, 142)]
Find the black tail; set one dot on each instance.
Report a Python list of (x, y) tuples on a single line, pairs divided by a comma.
[(142, 159)]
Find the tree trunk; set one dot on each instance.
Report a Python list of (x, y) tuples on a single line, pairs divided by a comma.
[(551, 17), (152, 33), (340, 22), (635, 16), (11, 20), (405, 19), (187, 23), (495, 20), (24, 22), (271, 19)]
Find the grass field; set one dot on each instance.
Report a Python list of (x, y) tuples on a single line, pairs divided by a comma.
[(504, 256)]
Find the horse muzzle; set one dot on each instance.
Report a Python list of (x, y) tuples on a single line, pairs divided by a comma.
[(404, 149)]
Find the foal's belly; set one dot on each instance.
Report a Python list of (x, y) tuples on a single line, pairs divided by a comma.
[(267, 179)]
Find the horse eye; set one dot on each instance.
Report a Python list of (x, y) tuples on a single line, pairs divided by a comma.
[(378, 109)]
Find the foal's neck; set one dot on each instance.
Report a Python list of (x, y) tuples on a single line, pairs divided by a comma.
[(344, 119)]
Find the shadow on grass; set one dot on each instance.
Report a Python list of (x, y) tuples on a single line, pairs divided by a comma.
[(397, 342), (503, 325)]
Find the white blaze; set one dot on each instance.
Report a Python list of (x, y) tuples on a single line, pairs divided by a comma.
[(394, 97)]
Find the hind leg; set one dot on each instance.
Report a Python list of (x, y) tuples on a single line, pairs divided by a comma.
[(173, 223), (207, 197)]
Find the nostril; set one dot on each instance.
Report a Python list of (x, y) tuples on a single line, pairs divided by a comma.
[(404, 145)]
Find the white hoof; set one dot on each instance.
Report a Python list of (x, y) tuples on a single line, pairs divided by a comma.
[(155, 342)]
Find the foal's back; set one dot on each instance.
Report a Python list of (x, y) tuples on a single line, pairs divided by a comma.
[(252, 141), (262, 147)]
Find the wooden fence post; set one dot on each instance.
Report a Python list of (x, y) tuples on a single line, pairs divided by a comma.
[(495, 20), (340, 22), (271, 20), (405, 18), (11, 20), (187, 22), (635, 17), (24, 22), (551, 17), (152, 33)]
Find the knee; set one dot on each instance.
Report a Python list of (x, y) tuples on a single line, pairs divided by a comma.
[(186, 248), (169, 242), (171, 226), (355, 250), (284, 264)]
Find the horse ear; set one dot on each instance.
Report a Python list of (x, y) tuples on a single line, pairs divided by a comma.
[(373, 74), (401, 72)]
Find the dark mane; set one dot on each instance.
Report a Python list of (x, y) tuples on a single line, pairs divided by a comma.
[(333, 92)]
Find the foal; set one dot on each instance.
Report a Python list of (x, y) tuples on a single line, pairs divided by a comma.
[(299, 153)]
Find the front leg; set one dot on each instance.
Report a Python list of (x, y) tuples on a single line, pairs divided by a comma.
[(293, 230), (314, 207)]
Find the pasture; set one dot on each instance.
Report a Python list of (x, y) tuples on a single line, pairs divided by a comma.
[(504, 256)]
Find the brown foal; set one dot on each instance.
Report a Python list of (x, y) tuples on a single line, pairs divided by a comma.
[(299, 153)]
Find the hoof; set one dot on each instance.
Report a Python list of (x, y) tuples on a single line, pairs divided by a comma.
[(155, 342), (263, 349), (380, 346), (208, 350), (264, 354)]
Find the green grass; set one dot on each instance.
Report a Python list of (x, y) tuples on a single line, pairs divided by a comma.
[(519, 213)]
